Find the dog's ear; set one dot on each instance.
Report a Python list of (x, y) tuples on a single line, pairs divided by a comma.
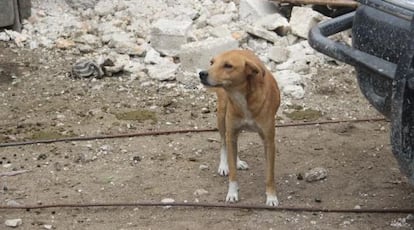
[(252, 69)]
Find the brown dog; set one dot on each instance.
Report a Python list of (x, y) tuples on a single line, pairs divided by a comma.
[(247, 99)]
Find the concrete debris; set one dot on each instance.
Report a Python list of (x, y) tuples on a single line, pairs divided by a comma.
[(252, 10), (167, 36), (197, 55), (316, 174), (303, 19), (13, 223), (171, 41)]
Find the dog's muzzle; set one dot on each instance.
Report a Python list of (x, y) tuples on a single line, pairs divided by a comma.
[(204, 77)]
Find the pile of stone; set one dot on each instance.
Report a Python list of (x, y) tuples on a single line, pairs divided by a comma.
[(170, 40)]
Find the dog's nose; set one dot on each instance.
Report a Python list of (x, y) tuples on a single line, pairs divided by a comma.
[(203, 75)]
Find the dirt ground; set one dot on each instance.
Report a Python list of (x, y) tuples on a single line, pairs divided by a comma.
[(39, 101)]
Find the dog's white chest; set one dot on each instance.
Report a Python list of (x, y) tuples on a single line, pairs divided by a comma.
[(247, 122)]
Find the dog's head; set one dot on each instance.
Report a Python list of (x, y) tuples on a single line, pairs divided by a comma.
[(232, 69)]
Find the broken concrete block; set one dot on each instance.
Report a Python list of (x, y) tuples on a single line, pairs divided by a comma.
[(263, 33), (252, 10), (303, 19), (167, 36), (219, 19), (197, 55), (274, 22), (278, 54), (165, 71)]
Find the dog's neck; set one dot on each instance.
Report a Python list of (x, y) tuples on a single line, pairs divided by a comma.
[(240, 98)]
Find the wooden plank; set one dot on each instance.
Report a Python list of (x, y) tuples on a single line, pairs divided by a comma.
[(345, 3)]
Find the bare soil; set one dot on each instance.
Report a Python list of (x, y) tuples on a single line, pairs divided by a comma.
[(39, 101)]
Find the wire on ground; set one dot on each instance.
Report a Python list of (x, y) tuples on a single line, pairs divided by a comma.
[(158, 133)]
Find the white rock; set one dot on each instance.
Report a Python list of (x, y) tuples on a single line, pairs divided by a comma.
[(200, 192), (124, 43), (290, 83), (294, 91), (274, 22), (48, 226), (165, 71), (13, 223), (203, 167), (104, 7), (152, 57), (263, 33), (197, 55), (167, 36), (89, 39), (251, 10), (4, 37), (316, 174), (219, 19), (278, 54), (303, 19), (167, 200), (220, 31)]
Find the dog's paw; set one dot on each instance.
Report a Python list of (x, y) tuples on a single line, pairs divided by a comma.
[(233, 193), (242, 165), (223, 169), (271, 200)]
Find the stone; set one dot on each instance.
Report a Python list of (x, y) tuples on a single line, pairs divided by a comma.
[(167, 200), (290, 83), (263, 33), (278, 54), (13, 223), (105, 7), (64, 44), (220, 31), (81, 4), (303, 19), (252, 10), (48, 226), (316, 174), (89, 39), (165, 71), (274, 22), (124, 43), (197, 55), (219, 19), (167, 36), (294, 91), (152, 57), (200, 192)]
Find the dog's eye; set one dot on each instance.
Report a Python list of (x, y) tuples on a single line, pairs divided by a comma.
[(228, 66), (211, 62)]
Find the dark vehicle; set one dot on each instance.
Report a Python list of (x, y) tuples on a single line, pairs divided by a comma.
[(382, 53)]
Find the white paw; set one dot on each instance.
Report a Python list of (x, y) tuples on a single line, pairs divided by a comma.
[(242, 165), (223, 169), (233, 193), (271, 200)]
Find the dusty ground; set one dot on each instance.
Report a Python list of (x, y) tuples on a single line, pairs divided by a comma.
[(39, 101)]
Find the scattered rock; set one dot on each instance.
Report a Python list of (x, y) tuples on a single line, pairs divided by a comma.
[(263, 33), (48, 226), (167, 36), (13, 223), (274, 22), (252, 10), (303, 19), (200, 192), (316, 174), (278, 54), (219, 19), (203, 167), (167, 200)]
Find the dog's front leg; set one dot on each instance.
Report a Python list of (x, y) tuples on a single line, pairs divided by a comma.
[(270, 149), (231, 143)]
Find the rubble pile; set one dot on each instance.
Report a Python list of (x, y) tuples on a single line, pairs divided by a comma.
[(172, 40)]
